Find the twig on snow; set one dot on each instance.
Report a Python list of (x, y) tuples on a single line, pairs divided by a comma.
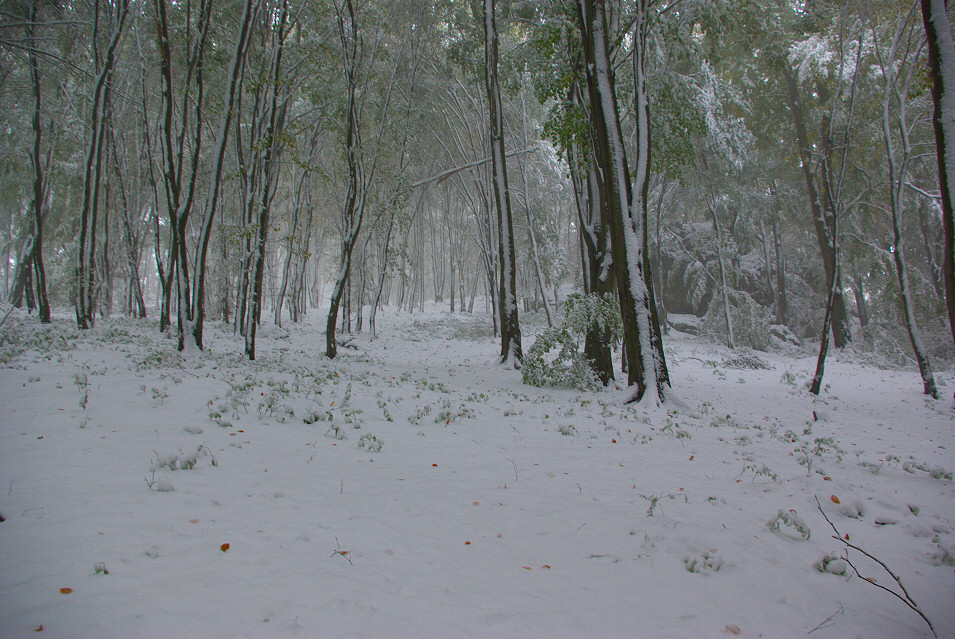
[(906, 599), (827, 622)]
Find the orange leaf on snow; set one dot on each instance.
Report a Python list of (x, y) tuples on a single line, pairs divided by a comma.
[(546, 566), (435, 465), (65, 591), (834, 499), (38, 628), (193, 521), (691, 457), (467, 543), (224, 547), (526, 567)]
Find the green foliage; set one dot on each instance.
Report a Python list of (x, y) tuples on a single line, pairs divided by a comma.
[(555, 359)]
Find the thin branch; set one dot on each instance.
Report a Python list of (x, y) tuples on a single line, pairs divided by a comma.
[(464, 167), (907, 599)]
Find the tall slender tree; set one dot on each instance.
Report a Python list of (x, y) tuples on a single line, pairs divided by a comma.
[(511, 352), (626, 206)]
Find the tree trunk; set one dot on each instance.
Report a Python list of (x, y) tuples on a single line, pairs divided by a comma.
[(39, 185), (86, 250), (272, 153), (511, 351), (194, 314), (782, 308), (858, 287), (823, 226), (897, 90), (355, 195), (941, 58), (724, 288), (626, 210)]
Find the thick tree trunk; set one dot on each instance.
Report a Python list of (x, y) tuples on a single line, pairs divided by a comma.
[(941, 57), (626, 210), (595, 255)]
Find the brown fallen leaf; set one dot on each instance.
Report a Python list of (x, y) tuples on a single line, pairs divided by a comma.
[(65, 591), (224, 547), (834, 499)]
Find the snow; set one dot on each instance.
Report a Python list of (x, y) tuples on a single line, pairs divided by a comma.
[(478, 517)]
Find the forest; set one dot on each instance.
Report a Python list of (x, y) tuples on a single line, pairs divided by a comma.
[(519, 254)]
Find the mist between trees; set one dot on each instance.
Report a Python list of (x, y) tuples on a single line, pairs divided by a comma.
[(759, 173)]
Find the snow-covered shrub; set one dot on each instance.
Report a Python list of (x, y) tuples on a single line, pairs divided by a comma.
[(422, 412), (555, 359), (447, 414), (335, 431), (370, 443), (182, 461), (751, 321), (832, 564), (790, 524), (704, 562)]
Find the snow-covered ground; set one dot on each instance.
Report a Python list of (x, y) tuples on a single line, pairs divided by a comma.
[(492, 509)]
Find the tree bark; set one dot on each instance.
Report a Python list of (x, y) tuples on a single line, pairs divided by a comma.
[(941, 58)]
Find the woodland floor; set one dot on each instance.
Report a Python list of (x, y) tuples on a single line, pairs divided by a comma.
[(492, 509)]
